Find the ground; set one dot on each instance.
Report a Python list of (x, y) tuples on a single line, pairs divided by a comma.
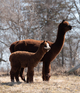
[(57, 84)]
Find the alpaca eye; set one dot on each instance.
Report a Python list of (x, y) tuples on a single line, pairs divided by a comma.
[(65, 25), (45, 46)]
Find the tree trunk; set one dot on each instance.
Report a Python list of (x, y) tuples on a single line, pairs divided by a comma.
[(74, 68)]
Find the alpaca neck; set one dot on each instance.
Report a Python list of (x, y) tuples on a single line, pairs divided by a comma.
[(60, 39), (39, 54)]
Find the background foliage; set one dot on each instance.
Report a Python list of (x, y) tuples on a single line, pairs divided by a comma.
[(39, 19)]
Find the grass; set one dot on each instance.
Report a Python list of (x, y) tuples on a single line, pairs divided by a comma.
[(57, 84)]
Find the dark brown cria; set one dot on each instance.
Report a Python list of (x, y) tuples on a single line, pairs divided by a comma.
[(22, 59)]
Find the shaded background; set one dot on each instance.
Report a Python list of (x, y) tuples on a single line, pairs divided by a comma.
[(39, 19)]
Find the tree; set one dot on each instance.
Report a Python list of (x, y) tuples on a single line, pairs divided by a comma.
[(39, 19)]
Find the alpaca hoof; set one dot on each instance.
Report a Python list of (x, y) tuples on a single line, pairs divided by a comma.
[(46, 77), (29, 81), (17, 80), (12, 80), (24, 80)]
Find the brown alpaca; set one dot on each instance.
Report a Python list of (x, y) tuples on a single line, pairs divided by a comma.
[(32, 46), (22, 59)]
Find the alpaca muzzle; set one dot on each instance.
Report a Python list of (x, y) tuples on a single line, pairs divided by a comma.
[(47, 47), (70, 27)]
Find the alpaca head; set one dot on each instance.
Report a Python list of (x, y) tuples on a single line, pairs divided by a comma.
[(45, 46), (64, 26)]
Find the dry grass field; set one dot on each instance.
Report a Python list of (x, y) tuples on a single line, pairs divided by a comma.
[(57, 84)]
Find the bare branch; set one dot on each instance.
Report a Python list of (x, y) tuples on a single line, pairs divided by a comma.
[(4, 43), (2, 60)]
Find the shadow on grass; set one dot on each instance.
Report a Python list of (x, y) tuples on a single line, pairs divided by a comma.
[(10, 83)]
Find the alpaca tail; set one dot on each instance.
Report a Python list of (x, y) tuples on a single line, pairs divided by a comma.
[(11, 48)]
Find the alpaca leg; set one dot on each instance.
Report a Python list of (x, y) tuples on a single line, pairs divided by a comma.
[(22, 74), (17, 74), (43, 72), (12, 75), (30, 75), (27, 76), (46, 71)]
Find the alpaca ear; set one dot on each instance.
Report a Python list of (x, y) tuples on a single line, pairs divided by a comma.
[(44, 41), (63, 21)]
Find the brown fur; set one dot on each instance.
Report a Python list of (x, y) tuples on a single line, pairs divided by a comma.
[(22, 59), (32, 46)]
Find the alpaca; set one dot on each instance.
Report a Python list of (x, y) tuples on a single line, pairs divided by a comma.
[(22, 59), (32, 46)]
